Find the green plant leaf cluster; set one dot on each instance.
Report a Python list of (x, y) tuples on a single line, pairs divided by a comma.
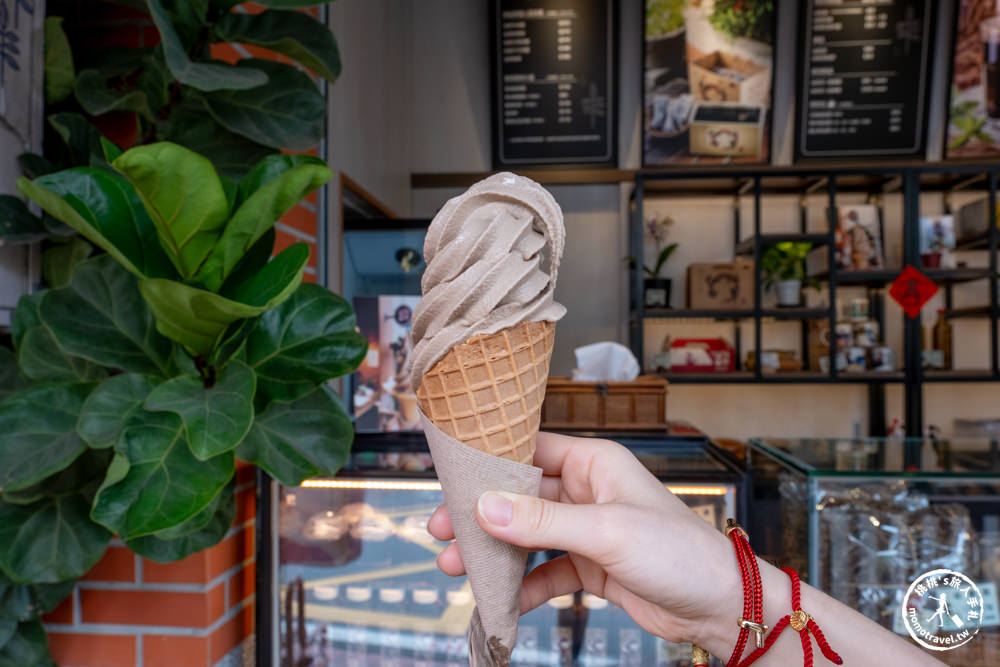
[(135, 383), (744, 18), (785, 261), (664, 16), (164, 214)]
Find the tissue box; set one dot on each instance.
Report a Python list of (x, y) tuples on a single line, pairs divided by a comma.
[(640, 404), (701, 355), (726, 285)]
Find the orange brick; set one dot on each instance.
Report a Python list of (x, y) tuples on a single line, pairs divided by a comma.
[(246, 506), (231, 552), (245, 472), (190, 610), (190, 570), (117, 564), (301, 219), (283, 239), (92, 650), (308, 278), (170, 651), (231, 633), (217, 603), (61, 614), (242, 584), (313, 197)]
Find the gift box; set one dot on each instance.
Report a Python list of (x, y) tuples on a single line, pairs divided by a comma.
[(724, 285), (727, 129), (636, 404), (724, 77)]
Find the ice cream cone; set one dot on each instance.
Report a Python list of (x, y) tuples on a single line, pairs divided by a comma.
[(488, 391)]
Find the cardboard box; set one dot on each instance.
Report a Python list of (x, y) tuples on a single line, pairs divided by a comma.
[(724, 285), (725, 129), (639, 404), (724, 77)]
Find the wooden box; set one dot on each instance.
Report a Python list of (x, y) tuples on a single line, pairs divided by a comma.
[(725, 129), (637, 405), (720, 286), (724, 77)]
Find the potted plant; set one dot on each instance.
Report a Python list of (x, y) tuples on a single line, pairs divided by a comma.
[(656, 290), (665, 40), (133, 388), (753, 19), (783, 265)]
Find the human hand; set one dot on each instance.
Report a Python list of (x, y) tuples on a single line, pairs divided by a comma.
[(629, 540)]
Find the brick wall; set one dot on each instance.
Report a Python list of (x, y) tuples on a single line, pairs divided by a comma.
[(129, 611)]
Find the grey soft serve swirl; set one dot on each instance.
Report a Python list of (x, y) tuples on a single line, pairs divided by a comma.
[(492, 258)]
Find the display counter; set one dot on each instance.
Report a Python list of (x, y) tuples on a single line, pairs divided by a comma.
[(353, 580), (861, 526)]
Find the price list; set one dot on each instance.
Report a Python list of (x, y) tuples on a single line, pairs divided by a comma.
[(553, 82), (864, 77)]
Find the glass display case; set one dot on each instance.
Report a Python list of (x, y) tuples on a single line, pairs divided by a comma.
[(861, 526), (353, 579)]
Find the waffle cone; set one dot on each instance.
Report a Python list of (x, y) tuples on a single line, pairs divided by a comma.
[(488, 391)]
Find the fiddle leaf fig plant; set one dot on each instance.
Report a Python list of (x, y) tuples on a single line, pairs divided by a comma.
[(179, 347)]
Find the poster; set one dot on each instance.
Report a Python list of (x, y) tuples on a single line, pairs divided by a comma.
[(974, 111), (707, 79), (382, 397), (859, 238)]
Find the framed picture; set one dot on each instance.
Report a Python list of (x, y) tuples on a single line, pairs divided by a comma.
[(974, 110), (859, 238), (708, 73), (382, 398)]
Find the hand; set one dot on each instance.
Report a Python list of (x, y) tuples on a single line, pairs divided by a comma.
[(629, 540)]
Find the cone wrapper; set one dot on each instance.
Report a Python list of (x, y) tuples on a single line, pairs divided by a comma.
[(495, 567)]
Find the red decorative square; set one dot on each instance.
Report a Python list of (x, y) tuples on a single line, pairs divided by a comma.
[(912, 290)]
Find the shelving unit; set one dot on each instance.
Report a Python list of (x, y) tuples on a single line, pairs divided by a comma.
[(907, 180)]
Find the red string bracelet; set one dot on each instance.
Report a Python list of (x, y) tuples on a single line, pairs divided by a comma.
[(753, 612), (802, 623)]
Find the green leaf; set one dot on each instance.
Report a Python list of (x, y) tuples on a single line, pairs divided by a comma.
[(304, 438), (11, 378), (105, 209), (28, 647), (97, 97), (202, 76), (83, 476), (291, 3), (204, 530), (8, 626), (27, 602), (82, 139), (39, 433), (154, 82), (287, 112), (17, 223), (294, 34), (155, 482), (182, 195), (59, 261), (101, 316), (276, 281), (111, 405), (38, 354), (34, 165), (232, 341), (193, 317), (59, 73), (255, 259), (51, 540), (308, 339), (269, 191), (215, 418), (233, 155)]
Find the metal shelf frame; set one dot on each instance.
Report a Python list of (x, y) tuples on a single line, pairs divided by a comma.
[(908, 179)]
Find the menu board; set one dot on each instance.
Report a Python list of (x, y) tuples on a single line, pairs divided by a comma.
[(554, 93), (864, 77)]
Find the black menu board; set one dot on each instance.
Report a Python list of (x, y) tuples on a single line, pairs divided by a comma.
[(864, 79), (554, 94)]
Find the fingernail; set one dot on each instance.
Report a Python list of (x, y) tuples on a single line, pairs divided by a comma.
[(496, 508)]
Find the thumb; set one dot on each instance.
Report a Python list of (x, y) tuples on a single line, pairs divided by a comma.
[(536, 523)]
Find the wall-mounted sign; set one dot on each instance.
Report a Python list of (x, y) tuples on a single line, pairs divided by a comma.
[(864, 76), (974, 111), (554, 82), (707, 81)]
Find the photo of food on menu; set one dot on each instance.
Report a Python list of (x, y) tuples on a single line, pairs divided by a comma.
[(707, 81), (974, 111)]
